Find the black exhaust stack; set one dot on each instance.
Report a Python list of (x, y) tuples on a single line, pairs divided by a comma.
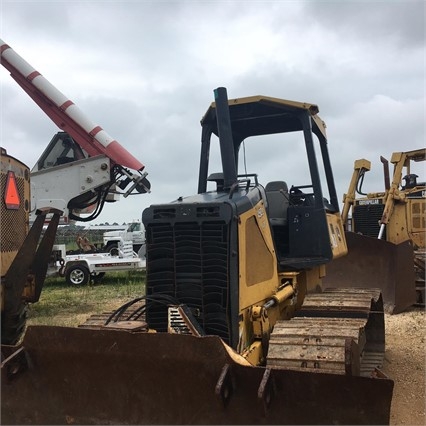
[(225, 137), (386, 172)]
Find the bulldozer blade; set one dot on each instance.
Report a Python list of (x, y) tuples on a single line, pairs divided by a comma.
[(374, 263), (86, 376)]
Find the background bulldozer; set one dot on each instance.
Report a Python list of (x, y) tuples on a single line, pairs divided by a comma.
[(386, 233), (234, 327)]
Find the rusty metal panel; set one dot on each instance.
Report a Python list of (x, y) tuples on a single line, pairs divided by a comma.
[(84, 376), (373, 263)]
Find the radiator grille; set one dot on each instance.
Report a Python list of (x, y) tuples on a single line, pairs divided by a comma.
[(366, 219), (418, 215), (190, 262)]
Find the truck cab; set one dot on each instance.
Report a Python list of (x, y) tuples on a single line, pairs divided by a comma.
[(135, 233)]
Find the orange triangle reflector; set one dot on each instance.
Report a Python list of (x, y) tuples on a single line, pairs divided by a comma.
[(11, 194)]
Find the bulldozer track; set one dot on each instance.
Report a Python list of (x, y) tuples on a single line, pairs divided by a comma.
[(419, 269), (339, 331), (124, 319)]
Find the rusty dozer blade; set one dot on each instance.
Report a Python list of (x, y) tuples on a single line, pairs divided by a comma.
[(86, 376), (374, 263)]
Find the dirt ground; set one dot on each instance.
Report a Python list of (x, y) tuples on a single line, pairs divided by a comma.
[(405, 363)]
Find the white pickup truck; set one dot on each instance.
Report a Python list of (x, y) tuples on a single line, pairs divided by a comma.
[(79, 269), (134, 233)]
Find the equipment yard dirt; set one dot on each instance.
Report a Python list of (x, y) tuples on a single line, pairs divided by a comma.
[(405, 361)]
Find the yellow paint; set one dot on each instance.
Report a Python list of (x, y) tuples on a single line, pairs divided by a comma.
[(258, 278), (337, 236)]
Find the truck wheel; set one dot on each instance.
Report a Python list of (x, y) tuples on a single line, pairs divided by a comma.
[(77, 275), (112, 249)]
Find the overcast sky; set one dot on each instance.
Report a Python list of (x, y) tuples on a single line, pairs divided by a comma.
[(146, 70)]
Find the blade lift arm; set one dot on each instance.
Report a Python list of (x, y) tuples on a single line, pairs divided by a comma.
[(400, 160), (360, 168)]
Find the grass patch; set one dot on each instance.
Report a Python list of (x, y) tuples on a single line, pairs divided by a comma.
[(64, 305)]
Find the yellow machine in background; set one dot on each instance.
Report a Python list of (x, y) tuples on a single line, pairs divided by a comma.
[(387, 231)]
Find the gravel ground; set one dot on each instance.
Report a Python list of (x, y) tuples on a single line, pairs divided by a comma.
[(405, 361)]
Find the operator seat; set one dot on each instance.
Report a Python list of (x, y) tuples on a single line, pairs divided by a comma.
[(219, 179), (278, 202)]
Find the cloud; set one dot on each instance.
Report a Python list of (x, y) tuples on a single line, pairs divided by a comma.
[(145, 71), (399, 23)]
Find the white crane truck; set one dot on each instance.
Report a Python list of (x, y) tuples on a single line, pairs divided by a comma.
[(81, 169)]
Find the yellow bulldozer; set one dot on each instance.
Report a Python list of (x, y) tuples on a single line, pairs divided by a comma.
[(24, 254), (234, 327), (386, 233)]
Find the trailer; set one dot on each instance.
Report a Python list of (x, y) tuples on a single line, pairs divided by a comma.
[(82, 268)]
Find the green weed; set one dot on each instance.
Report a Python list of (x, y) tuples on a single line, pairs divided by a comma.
[(64, 305)]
